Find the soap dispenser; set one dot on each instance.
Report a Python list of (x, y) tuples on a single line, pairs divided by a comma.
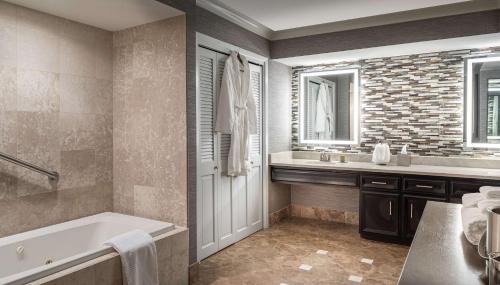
[(404, 158)]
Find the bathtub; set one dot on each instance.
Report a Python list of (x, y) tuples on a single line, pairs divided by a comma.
[(32, 255)]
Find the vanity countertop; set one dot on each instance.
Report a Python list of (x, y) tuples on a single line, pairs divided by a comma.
[(440, 253), (414, 169)]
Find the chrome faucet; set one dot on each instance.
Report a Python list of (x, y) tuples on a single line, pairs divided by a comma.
[(324, 156)]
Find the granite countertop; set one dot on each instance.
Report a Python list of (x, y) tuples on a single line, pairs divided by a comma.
[(440, 253), (414, 169)]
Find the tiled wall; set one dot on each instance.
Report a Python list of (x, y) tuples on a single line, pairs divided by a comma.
[(415, 99), (149, 93), (330, 203), (56, 112)]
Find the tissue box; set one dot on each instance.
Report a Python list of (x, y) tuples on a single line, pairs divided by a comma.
[(404, 160)]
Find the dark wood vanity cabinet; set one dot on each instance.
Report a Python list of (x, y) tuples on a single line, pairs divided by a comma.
[(413, 208), (380, 215), (390, 209), (390, 205)]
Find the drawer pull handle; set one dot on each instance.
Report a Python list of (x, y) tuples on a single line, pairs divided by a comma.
[(390, 208), (424, 186), (379, 183), (411, 211)]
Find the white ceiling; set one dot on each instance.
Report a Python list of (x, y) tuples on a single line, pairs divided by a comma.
[(288, 14), (111, 15), (480, 41)]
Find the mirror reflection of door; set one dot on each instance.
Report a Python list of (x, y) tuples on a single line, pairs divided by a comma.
[(321, 109), (486, 92), (493, 119), (329, 107)]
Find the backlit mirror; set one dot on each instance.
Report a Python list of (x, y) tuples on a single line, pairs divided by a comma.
[(483, 102), (329, 103)]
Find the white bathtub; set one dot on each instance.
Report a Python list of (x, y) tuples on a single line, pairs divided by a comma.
[(65, 245)]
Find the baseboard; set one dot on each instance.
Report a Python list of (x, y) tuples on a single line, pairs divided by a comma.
[(194, 271), (279, 215)]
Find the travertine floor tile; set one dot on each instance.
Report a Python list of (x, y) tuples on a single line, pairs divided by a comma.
[(273, 256)]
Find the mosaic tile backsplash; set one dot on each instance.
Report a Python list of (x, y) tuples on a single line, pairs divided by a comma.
[(414, 99)]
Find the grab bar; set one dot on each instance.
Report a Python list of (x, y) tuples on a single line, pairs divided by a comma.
[(53, 175)]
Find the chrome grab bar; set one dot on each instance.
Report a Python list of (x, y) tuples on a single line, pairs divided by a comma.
[(53, 175)]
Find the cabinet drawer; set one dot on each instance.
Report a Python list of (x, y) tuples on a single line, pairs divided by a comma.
[(424, 185), (458, 188), (314, 176), (389, 183)]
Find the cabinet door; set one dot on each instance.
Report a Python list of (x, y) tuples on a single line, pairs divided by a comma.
[(413, 209), (379, 213)]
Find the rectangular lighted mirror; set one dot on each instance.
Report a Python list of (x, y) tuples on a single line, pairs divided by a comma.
[(483, 102), (329, 107)]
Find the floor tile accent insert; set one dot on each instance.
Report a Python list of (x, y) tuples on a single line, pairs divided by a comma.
[(367, 260), (322, 252), (305, 267), (355, 278)]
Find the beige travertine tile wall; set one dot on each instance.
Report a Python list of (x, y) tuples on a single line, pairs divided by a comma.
[(328, 202), (56, 112), (149, 93)]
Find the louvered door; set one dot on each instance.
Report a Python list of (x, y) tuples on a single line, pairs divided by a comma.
[(227, 210), (237, 201), (208, 178), (254, 178), (241, 197)]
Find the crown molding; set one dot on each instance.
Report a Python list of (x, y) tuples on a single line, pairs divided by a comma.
[(245, 22), (231, 15)]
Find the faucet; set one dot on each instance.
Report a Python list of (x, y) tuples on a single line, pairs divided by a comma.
[(324, 156)]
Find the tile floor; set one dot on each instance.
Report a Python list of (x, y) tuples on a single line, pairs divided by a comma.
[(283, 253)]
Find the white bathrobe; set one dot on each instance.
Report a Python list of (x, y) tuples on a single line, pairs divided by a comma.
[(236, 113), (324, 113)]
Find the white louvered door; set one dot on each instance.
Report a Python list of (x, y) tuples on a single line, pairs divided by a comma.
[(254, 178), (236, 202), (208, 178)]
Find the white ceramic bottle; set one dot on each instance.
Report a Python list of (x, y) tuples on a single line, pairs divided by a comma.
[(381, 154)]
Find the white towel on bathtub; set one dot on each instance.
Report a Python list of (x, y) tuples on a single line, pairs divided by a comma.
[(138, 255), (474, 224)]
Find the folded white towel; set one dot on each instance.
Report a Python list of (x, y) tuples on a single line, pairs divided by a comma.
[(138, 255), (483, 205), (474, 224), (490, 192), (470, 200)]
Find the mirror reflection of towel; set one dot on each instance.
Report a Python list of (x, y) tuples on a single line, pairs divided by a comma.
[(324, 113)]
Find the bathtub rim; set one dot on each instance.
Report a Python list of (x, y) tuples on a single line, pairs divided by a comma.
[(39, 272)]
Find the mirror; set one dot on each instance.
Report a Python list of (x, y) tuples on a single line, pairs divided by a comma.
[(329, 104), (483, 102)]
